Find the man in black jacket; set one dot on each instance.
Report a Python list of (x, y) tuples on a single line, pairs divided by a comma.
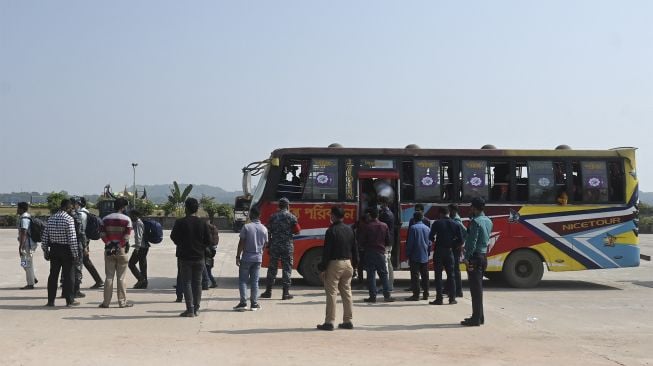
[(339, 258), (191, 235)]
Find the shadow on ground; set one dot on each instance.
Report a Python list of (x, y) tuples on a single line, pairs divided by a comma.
[(367, 328)]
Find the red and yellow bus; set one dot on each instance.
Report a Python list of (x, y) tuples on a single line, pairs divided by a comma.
[(566, 209)]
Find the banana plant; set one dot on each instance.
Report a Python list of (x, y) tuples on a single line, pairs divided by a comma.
[(177, 196)]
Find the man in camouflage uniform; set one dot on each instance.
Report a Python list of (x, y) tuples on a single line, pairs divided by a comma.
[(281, 227)]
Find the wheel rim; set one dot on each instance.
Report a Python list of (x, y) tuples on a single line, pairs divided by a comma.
[(524, 269)]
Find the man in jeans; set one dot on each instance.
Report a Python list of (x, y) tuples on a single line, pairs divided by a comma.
[(375, 237), (139, 255), (387, 217), (253, 238), (60, 248), (447, 237), (26, 245), (115, 231), (192, 236), (82, 211), (339, 258), (418, 248)]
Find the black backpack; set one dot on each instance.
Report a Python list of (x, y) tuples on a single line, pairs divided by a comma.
[(152, 231), (36, 228), (93, 224)]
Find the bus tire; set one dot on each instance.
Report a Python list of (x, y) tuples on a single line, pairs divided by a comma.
[(308, 267), (523, 269)]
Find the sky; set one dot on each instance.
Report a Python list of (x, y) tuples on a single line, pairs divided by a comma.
[(193, 91)]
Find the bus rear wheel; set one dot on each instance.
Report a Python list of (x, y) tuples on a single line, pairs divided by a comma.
[(308, 267), (523, 269)]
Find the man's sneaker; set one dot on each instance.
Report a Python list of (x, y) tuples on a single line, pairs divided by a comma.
[(452, 301), (80, 295), (187, 314), (103, 306), (347, 325), (370, 300), (97, 285), (436, 302), (389, 299), (470, 323), (28, 287), (255, 306), (469, 319), (126, 305), (241, 307), (71, 304), (325, 326)]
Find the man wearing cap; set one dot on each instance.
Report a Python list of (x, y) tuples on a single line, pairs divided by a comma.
[(476, 243), (281, 227)]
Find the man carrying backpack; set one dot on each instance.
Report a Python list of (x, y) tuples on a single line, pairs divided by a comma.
[(141, 248), (26, 245), (211, 251), (85, 216)]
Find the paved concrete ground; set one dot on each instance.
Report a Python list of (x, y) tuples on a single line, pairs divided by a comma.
[(589, 317)]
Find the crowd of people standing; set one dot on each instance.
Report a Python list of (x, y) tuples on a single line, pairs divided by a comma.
[(365, 245)]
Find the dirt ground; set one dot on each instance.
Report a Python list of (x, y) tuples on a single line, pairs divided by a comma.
[(591, 317)]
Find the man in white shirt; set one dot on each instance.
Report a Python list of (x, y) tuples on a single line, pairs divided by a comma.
[(26, 245)]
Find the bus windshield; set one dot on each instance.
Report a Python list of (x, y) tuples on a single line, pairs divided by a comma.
[(260, 187)]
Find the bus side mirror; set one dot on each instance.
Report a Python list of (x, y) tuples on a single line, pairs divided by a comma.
[(247, 183)]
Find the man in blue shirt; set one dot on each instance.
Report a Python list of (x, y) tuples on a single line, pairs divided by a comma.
[(253, 238), (418, 248), (447, 236), (476, 243)]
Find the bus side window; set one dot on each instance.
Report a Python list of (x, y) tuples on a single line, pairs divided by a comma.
[(560, 177), (595, 181), (407, 186), (576, 183), (322, 180), (521, 180), (541, 186), (427, 180), (499, 181), (293, 179), (616, 184), (447, 178), (474, 179)]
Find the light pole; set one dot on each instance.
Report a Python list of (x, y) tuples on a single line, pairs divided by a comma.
[(134, 165)]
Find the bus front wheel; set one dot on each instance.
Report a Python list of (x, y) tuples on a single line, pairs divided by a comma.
[(523, 269), (308, 267)]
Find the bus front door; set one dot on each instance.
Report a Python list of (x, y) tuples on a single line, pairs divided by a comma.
[(373, 188)]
